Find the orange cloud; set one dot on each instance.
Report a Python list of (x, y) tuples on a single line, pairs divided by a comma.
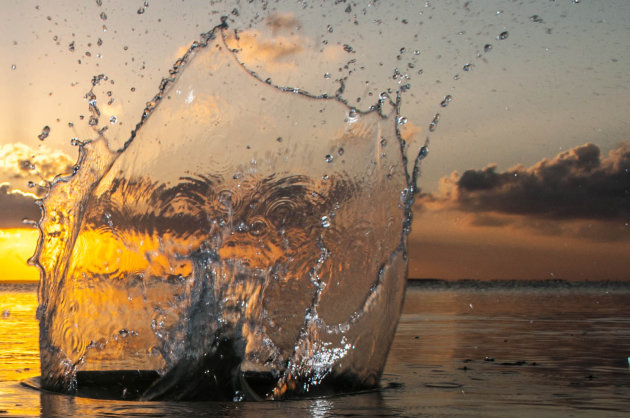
[(20, 162), (278, 52), (281, 47)]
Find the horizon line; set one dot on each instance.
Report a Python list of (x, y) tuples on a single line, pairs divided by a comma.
[(432, 280)]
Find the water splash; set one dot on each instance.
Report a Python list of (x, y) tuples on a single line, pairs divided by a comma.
[(212, 252)]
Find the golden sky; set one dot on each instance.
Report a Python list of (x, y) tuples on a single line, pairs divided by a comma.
[(16, 246)]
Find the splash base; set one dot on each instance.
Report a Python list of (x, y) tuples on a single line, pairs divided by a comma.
[(131, 385)]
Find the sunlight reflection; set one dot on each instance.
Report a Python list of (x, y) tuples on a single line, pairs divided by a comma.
[(321, 407)]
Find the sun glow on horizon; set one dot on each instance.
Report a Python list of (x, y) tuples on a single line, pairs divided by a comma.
[(17, 245)]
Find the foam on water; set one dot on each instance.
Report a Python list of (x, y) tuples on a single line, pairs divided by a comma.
[(245, 229)]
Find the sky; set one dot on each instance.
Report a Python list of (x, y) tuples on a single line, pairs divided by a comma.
[(528, 171)]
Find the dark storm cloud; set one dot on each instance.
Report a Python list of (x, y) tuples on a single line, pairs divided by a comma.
[(577, 184), (15, 206)]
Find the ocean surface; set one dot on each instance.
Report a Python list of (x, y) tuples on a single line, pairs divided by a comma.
[(462, 348)]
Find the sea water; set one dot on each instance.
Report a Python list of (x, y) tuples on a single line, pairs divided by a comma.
[(461, 349)]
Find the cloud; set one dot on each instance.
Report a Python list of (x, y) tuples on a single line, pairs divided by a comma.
[(23, 163), (20, 164), (577, 184), (278, 52), (282, 22), (577, 193), (279, 46), (15, 206)]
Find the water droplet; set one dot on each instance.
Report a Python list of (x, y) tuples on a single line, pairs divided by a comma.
[(447, 99), (403, 120), (140, 11), (103, 16), (329, 28), (30, 184), (325, 221), (434, 123), (13, 67), (467, 67), (402, 50), (241, 227), (340, 151), (487, 48), (329, 158), (279, 139), (71, 46), (327, 75), (27, 165), (113, 120), (258, 228), (503, 35), (536, 19), (45, 133), (123, 333)]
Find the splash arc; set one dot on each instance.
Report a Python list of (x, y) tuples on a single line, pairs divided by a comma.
[(218, 262)]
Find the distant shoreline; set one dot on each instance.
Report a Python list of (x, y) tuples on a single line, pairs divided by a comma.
[(518, 284), (26, 282), (431, 283)]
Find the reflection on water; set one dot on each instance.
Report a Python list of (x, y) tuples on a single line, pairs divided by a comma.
[(533, 348), (19, 354), (465, 352)]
